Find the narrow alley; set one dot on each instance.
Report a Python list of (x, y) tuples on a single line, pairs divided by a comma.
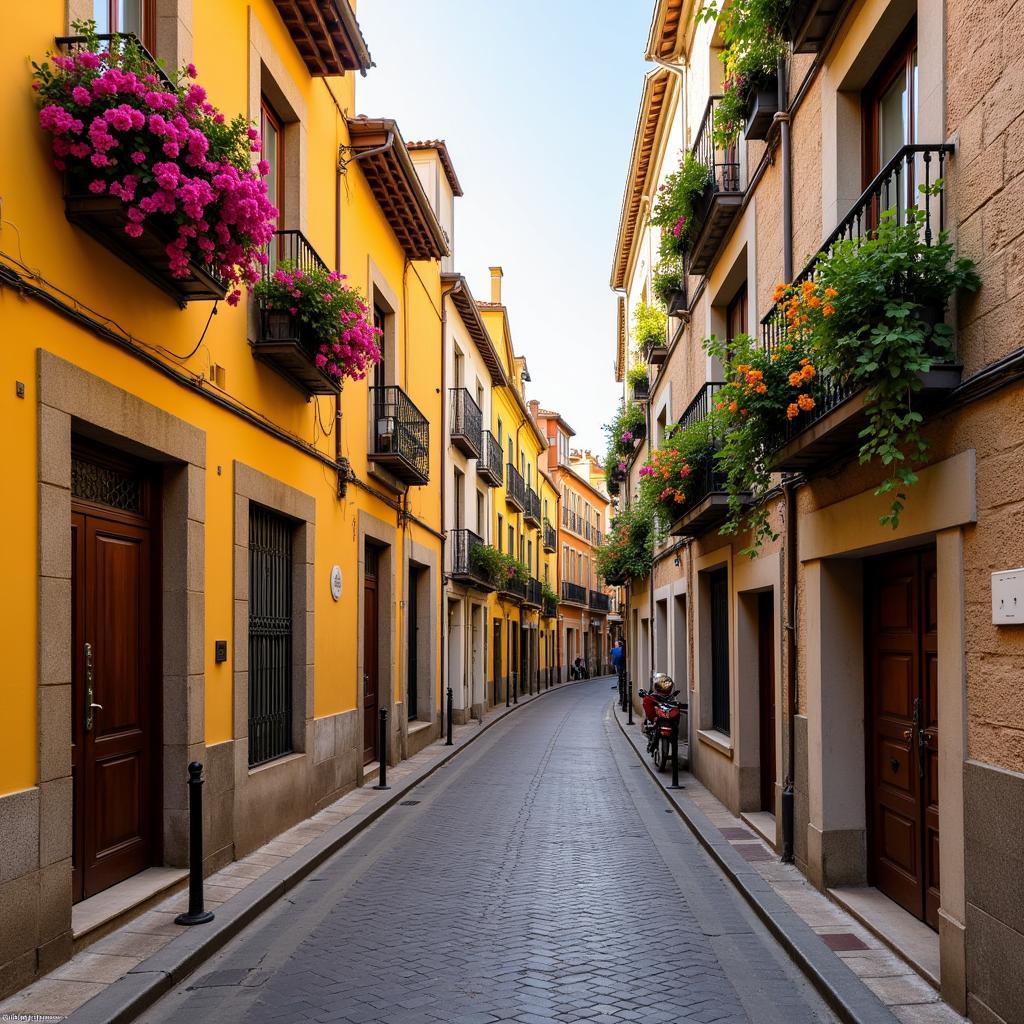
[(536, 878)]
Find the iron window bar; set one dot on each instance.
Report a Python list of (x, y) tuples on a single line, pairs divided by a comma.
[(723, 164)]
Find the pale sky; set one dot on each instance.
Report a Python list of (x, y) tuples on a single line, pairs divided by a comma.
[(537, 100)]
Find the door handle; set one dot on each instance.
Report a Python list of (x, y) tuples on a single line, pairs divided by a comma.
[(90, 704)]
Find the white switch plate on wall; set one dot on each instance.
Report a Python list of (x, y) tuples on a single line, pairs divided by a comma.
[(1008, 597)]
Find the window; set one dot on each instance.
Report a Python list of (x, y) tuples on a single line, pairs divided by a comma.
[(128, 16), (501, 438), (529, 554), (891, 110), (460, 497), (501, 532), (458, 369), (272, 138), (511, 540), (736, 316), (380, 367), (270, 635), (481, 514), (719, 611)]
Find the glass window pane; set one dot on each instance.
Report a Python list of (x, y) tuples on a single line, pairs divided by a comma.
[(101, 15), (893, 127), (131, 17)]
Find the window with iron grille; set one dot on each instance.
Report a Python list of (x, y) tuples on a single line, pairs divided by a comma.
[(719, 594), (270, 635)]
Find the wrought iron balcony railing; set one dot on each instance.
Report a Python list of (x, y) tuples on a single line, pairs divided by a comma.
[(718, 206), (534, 596), (700, 406), (512, 587), (598, 601), (283, 342), (894, 188), (489, 465), (550, 537), (550, 609), (467, 422), (400, 435), (515, 488), (532, 510), (573, 593), (463, 564)]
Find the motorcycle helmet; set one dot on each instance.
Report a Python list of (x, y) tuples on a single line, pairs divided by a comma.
[(662, 684)]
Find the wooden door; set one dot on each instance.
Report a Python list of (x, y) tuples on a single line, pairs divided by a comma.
[(766, 697), (371, 675), (412, 699), (903, 730), (115, 689)]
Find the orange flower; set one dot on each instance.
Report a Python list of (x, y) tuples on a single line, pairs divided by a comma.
[(808, 372), (814, 302), (827, 310), (732, 406), (780, 291), (792, 411), (805, 402), (775, 357), (755, 375), (795, 379), (788, 348), (830, 293), (761, 388)]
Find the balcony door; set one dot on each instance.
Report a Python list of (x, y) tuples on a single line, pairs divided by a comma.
[(891, 116), (129, 17)]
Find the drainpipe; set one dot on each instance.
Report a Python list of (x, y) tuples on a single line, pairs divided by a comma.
[(789, 488), (457, 287)]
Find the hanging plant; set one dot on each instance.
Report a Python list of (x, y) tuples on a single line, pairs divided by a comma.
[(670, 477), (649, 326), (667, 281), (628, 548), (673, 209), (334, 319), (164, 150)]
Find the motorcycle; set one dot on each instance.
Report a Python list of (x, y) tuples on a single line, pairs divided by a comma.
[(662, 717)]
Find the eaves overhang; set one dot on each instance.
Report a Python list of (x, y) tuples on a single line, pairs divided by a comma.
[(327, 36), (462, 299)]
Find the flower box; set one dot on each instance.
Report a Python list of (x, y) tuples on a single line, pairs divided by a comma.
[(677, 304), (655, 354), (835, 433), (762, 106), (281, 344), (641, 390), (105, 217)]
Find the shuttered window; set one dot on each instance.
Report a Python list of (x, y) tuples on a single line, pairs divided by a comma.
[(719, 587), (270, 635)]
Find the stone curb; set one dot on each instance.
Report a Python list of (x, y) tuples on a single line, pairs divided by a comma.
[(141, 987), (844, 992)]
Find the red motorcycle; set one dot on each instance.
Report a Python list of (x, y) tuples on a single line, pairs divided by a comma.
[(662, 717)]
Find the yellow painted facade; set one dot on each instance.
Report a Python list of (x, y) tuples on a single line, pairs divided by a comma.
[(162, 364)]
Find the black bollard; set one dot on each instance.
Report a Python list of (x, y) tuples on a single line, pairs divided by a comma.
[(515, 688), (448, 742), (196, 914), (675, 757), (382, 746), (629, 706)]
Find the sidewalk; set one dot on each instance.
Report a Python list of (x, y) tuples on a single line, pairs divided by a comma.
[(904, 992), (133, 965)]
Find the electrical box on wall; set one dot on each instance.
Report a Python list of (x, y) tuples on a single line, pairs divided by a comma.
[(1008, 598)]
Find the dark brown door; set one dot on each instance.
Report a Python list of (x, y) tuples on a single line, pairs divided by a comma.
[(496, 655), (766, 697), (370, 672), (114, 687), (903, 724)]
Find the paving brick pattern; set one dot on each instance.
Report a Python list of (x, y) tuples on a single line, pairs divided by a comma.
[(538, 879)]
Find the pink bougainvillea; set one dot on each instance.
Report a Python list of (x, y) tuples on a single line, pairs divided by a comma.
[(332, 317), (120, 129)]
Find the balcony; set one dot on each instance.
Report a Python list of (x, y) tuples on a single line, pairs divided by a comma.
[(515, 488), (709, 506), (467, 423), (464, 568), (642, 388), (718, 207), (488, 467), (573, 593), (400, 435), (550, 537), (532, 510), (534, 595), (550, 607), (832, 430), (809, 23), (599, 602), (282, 341), (655, 353), (512, 589)]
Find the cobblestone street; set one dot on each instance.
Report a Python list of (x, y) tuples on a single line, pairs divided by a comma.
[(540, 876)]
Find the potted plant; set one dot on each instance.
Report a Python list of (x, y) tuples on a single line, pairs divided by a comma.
[(669, 285), (178, 168), (321, 311), (681, 203), (628, 547), (487, 562), (673, 474), (639, 381), (649, 326)]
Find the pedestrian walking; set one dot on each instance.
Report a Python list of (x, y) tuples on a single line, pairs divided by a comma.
[(619, 664)]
